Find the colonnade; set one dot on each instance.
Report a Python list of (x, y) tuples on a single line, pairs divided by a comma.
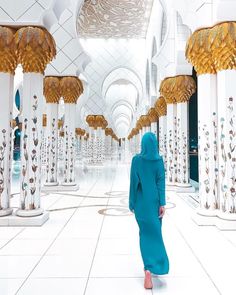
[(101, 142), (168, 119), (33, 48), (212, 53)]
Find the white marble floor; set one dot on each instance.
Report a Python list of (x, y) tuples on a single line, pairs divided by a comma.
[(90, 246)]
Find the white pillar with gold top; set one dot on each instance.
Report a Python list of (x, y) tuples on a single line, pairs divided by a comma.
[(52, 94), (153, 118), (224, 54), (36, 48), (161, 109), (184, 88), (8, 63), (71, 89), (207, 124), (166, 90)]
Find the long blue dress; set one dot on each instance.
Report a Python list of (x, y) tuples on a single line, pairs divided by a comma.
[(147, 194)]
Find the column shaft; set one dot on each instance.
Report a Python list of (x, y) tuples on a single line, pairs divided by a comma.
[(207, 144), (6, 86), (52, 143), (171, 144), (69, 144), (226, 81), (31, 141)]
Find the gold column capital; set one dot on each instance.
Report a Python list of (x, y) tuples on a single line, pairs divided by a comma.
[(108, 131), (138, 124), (177, 89), (213, 49), (223, 38), (90, 119), (144, 120), (198, 52), (71, 89), (161, 107), (35, 48), (52, 89), (152, 115), (104, 124), (8, 56), (99, 121)]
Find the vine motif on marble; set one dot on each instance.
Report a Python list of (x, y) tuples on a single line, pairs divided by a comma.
[(2, 164), (223, 166), (206, 150), (66, 144), (34, 156), (216, 170), (185, 155), (72, 148), (25, 163), (170, 157), (48, 158), (232, 154), (10, 156), (53, 151), (175, 155), (178, 152)]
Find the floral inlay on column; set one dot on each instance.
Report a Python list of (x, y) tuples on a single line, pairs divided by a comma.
[(36, 48), (232, 154), (71, 88), (2, 166), (8, 64)]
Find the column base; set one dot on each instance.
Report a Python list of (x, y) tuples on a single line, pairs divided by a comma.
[(6, 212), (214, 218), (51, 183), (29, 213), (68, 183), (184, 188), (60, 187), (14, 220), (170, 186)]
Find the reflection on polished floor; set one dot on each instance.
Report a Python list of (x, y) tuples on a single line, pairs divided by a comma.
[(90, 245)]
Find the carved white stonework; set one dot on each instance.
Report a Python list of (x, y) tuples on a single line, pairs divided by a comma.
[(114, 18)]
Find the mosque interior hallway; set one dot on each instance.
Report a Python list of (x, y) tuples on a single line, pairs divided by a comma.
[(91, 242)]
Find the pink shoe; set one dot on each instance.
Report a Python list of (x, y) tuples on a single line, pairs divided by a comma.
[(148, 280)]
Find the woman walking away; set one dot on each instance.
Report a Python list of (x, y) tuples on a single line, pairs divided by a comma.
[(147, 201)]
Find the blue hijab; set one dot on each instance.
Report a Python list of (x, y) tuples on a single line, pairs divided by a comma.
[(149, 147)]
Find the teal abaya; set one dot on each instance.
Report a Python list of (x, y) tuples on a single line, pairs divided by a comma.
[(147, 194)]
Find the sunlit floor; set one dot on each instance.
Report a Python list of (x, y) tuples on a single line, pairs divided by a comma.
[(90, 245)]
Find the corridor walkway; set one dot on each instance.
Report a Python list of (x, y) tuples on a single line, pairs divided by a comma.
[(90, 245)]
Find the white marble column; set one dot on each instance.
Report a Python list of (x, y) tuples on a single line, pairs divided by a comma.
[(36, 48), (70, 88), (207, 145), (52, 144), (69, 145), (183, 166), (226, 91), (163, 138), (8, 64), (171, 144), (154, 128), (31, 140), (44, 144), (6, 86)]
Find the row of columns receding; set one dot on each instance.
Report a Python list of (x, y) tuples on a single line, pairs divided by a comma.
[(212, 53)]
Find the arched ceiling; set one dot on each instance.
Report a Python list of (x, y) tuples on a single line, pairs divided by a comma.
[(121, 99), (106, 18)]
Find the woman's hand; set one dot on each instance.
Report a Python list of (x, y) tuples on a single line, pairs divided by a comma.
[(162, 210)]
